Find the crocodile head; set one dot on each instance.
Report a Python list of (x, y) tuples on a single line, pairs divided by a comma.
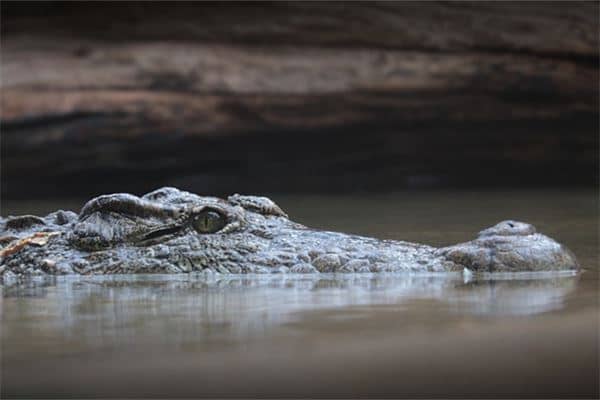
[(171, 231)]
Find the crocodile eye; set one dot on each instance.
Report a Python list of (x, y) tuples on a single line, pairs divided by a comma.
[(208, 221)]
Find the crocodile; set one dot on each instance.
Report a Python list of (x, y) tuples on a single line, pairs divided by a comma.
[(173, 231)]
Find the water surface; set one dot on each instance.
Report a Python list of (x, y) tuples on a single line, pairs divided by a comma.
[(378, 335)]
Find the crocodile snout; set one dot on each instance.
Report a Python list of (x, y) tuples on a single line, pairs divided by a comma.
[(511, 246)]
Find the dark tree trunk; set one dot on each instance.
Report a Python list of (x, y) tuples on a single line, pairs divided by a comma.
[(297, 96)]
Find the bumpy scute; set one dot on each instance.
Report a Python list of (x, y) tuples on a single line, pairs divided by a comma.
[(155, 233)]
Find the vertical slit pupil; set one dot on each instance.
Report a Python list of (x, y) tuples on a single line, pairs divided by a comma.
[(208, 221)]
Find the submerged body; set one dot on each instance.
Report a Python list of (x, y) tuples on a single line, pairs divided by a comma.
[(172, 231)]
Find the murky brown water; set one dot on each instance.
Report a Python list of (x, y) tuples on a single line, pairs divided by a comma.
[(314, 336)]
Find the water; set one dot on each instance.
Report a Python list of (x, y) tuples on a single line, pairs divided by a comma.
[(388, 335)]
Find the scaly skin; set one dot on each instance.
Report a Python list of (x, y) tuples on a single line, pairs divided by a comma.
[(123, 234)]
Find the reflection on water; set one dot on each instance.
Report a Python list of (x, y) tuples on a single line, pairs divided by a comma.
[(113, 328), (111, 311), (345, 335), (179, 306)]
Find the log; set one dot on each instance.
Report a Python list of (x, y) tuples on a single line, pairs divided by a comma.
[(296, 96)]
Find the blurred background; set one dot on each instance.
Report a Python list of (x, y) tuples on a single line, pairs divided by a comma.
[(297, 97), (423, 122)]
